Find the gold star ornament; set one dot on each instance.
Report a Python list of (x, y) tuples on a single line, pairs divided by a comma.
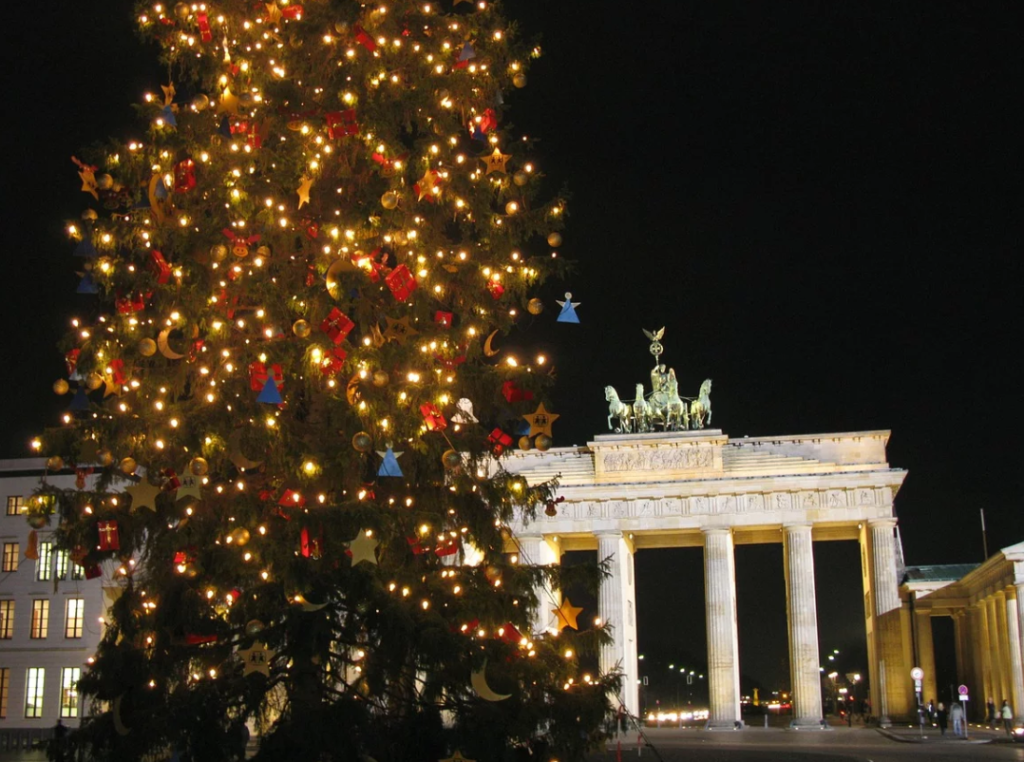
[(256, 659), (273, 13), (399, 330), (540, 421), (190, 487), (363, 548), (303, 190), (566, 614), (496, 161), (143, 495)]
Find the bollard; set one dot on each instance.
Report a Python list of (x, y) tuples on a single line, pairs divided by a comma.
[(766, 720)]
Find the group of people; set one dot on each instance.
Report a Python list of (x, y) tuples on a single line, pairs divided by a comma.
[(939, 715)]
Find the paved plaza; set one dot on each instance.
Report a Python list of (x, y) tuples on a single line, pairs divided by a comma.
[(841, 744)]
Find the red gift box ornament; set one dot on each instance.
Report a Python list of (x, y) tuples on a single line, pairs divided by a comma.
[(401, 282), (159, 266), (447, 546), (499, 441), (432, 417), (333, 362), (291, 499), (184, 176), (341, 124), (443, 319), (495, 288), (312, 546), (510, 391), (203, 20), (109, 538), (364, 39), (337, 325)]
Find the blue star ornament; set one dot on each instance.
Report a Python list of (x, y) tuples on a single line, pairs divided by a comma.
[(85, 249), (87, 285), (389, 465), (568, 313), (270, 394)]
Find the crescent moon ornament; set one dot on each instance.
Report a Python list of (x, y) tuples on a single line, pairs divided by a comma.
[(165, 348), (236, 456), (305, 605), (479, 682), (352, 393), (489, 350), (119, 726)]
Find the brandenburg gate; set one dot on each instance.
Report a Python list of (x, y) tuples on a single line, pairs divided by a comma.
[(626, 492)]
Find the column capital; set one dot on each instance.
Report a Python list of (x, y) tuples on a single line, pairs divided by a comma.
[(882, 523), (608, 533), (715, 530), (797, 525)]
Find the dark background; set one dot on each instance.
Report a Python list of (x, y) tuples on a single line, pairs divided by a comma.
[(818, 200)]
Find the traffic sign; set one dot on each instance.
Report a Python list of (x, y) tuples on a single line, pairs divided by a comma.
[(962, 690), (917, 673)]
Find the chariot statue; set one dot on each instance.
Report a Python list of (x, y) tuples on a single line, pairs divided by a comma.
[(663, 409)]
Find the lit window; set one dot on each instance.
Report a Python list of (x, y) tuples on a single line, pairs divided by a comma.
[(34, 679), (74, 615), (5, 685), (6, 620), (69, 677), (15, 505), (40, 619), (63, 564), (10, 557), (44, 566)]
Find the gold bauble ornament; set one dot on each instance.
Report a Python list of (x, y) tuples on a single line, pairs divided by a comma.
[(493, 573), (128, 465), (94, 381), (301, 328), (38, 520), (254, 627), (54, 463), (263, 251), (520, 178), (362, 442), (543, 442), (104, 182), (524, 443), (199, 466), (535, 306), (240, 536), (60, 386), (147, 347), (389, 200), (511, 207), (106, 458), (451, 459), (181, 10), (519, 80), (218, 252), (89, 215), (380, 378), (295, 41), (554, 239), (201, 102), (341, 27)]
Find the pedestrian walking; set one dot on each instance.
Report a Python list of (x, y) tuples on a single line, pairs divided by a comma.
[(990, 713), (942, 717), (58, 745), (1006, 713), (931, 711), (956, 713), (622, 717)]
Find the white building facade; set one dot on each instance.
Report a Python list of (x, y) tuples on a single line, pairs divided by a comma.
[(50, 615)]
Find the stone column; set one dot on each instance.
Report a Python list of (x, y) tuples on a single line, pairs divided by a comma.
[(617, 607), (926, 655), (889, 641), (723, 637), (983, 647), (959, 636), (544, 551), (802, 616), (1002, 649), (1016, 660)]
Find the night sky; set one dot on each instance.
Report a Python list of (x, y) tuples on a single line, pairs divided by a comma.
[(818, 200)]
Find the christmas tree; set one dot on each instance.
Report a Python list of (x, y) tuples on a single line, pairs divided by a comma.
[(289, 391)]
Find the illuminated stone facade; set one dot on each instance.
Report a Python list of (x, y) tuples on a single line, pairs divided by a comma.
[(627, 492)]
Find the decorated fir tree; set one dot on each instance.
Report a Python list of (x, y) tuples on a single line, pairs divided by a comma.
[(288, 390)]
